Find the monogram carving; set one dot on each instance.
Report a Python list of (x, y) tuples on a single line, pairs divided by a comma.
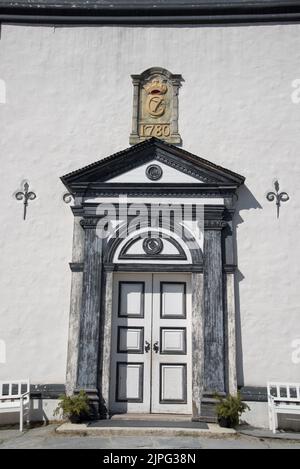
[(156, 102), (156, 105)]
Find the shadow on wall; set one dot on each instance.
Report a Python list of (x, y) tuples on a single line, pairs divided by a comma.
[(246, 201), (37, 414), (37, 411), (289, 422)]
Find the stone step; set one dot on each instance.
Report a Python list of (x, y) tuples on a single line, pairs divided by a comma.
[(134, 430), (147, 424)]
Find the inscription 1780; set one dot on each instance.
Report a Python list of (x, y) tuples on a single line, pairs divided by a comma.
[(155, 130)]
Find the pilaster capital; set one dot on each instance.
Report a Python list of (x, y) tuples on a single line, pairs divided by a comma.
[(214, 224), (89, 223), (76, 266)]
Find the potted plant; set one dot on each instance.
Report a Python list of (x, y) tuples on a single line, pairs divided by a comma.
[(76, 408), (229, 409)]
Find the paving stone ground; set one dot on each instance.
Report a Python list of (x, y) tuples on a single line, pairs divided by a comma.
[(45, 437)]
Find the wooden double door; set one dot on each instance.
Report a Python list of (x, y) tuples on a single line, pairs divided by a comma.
[(151, 344)]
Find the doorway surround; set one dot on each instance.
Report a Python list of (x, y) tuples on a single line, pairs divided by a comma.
[(121, 181)]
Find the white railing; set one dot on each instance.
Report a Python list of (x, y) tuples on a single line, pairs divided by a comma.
[(283, 398), (15, 397)]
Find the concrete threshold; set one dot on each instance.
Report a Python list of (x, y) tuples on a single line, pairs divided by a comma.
[(85, 429)]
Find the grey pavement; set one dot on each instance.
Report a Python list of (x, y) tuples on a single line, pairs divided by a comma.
[(45, 437)]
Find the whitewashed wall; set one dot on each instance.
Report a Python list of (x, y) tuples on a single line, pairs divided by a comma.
[(69, 103)]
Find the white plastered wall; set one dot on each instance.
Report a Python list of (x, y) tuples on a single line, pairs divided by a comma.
[(69, 103)]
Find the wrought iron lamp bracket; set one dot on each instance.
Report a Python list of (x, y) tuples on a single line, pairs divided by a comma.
[(26, 196), (277, 196)]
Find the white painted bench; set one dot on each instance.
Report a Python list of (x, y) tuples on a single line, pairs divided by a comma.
[(283, 398), (15, 397)]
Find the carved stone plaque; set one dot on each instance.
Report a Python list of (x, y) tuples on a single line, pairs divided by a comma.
[(155, 106)]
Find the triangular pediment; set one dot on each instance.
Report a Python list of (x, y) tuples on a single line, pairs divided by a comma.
[(166, 175), (175, 166)]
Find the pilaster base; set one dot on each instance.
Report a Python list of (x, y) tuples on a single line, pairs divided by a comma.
[(208, 409), (94, 401)]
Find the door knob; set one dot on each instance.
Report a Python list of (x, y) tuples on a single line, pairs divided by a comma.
[(147, 346), (156, 347)]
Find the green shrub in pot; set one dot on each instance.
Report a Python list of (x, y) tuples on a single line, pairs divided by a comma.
[(229, 409), (76, 408)]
